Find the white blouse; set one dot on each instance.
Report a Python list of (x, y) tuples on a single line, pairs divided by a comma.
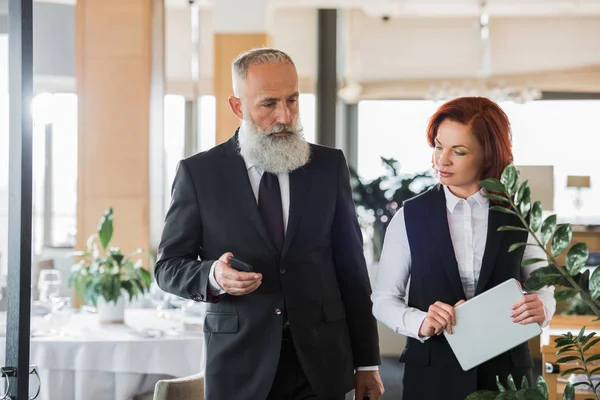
[(468, 223)]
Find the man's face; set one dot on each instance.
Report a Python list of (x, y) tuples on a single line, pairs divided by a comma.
[(270, 96)]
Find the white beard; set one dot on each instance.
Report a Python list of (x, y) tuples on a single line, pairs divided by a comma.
[(272, 153)]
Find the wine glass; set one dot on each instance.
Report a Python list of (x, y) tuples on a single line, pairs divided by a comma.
[(181, 304)]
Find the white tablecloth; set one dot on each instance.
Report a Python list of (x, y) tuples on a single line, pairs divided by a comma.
[(112, 362)]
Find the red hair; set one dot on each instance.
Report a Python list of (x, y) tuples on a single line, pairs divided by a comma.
[(488, 123)]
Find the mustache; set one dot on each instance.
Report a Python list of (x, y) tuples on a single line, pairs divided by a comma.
[(279, 128)]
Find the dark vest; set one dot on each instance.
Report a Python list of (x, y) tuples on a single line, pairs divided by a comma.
[(435, 277)]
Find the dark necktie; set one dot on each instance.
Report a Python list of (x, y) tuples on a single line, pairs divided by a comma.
[(270, 208)]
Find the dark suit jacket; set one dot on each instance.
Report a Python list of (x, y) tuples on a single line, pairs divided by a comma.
[(321, 277), (431, 369)]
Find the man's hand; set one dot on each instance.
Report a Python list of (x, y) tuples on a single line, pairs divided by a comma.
[(528, 309), (440, 316), (234, 282), (367, 383)]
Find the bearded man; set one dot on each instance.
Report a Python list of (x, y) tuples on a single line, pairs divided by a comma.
[(299, 326)]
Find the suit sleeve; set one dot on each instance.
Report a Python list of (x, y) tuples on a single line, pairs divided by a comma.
[(177, 268), (352, 275)]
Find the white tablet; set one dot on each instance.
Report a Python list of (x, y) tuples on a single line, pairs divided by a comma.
[(484, 328)]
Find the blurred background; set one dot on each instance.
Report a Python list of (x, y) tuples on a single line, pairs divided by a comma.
[(125, 89)]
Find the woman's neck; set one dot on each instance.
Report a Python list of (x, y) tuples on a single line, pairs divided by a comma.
[(464, 192)]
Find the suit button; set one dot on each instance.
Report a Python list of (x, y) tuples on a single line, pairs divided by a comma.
[(278, 311), (282, 270)]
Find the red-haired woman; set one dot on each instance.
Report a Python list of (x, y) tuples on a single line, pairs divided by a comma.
[(446, 241)]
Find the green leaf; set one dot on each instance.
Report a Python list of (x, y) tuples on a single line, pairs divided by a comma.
[(569, 393), (525, 204), (507, 396), (503, 210), (515, 246), (588, 337), (520, 191), (509, 178), (493, 185), (580, 335), (548, 229), (529, 394), (562, 341), (592, 372), (593, 358), (561, 239), (566, 348), (536, 216), (530, 261), (567, 359), (482, 395), (571, 371), (511, 228), (500, 387), (595, 284), (584, 280), (105, 228), (577, 257), (563, 295), (542, 386), (590, 344), (524, 383), (496, 197), (511, 383)]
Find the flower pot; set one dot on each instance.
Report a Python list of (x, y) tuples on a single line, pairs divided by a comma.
[(109, 312)]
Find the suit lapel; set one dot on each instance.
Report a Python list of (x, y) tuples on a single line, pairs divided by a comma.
[(236, 176), (299, 191), (438, 226), (493, 242)]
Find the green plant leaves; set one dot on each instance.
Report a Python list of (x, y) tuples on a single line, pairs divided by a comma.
[(509, 178), (561, 239), (569, 393), (536, 216), (542, 386), (548, 228), (577, 257), (515, 246), (105, 228), (520, 192), (545, 276), (529, 394), (530, 261), (493, 185), (595, 283), (563, 295), (525, 204), (504, 210)]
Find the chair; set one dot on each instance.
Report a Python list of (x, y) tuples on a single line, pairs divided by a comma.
[(186, 388)]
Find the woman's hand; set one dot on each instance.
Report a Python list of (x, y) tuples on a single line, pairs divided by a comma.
[(528, 309), (440, 316)]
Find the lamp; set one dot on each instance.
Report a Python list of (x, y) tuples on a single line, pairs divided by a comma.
[(578, 182)]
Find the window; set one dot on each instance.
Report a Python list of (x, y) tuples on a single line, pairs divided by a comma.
[(55, 170), (547, 132), (174, 140)]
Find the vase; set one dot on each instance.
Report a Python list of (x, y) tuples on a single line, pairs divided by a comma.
[(109, 312)]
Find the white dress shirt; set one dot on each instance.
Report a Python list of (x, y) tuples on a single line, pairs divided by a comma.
[(255, 175), (468, 223)]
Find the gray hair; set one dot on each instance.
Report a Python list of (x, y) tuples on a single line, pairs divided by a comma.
[(263, 55)]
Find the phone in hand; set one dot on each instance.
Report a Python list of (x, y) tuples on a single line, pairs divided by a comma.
[(240, 265)]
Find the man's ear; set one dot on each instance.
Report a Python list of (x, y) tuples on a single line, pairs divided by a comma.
[(235, 105)]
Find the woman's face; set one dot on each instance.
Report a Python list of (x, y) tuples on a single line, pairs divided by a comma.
[(458, 158)]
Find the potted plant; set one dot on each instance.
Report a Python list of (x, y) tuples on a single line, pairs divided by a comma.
[(514, 197), (104, 275), (377, 201)]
